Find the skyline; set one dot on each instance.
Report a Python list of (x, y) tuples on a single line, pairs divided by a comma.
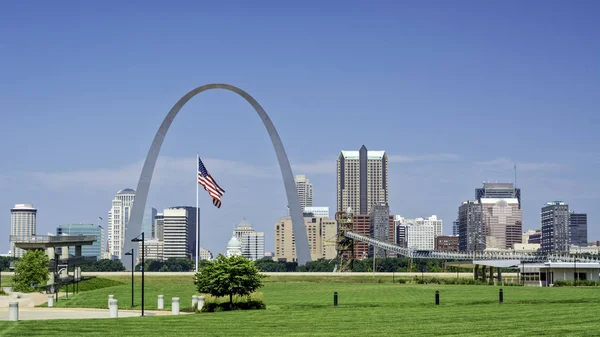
[(455, 97)]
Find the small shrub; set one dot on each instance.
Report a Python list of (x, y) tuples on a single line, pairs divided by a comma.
[(217, 304), (580, 283), (401, 281), (2, 293)]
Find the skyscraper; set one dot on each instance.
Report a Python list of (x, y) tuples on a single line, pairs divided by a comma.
[(501, 214), (22, 225), (148, 222), (253, 243), (578, 228), (555, 227), (319, 231), (362, 180), (118, 217), (159, 222), (305, 192), (380, 228), (96, 249), (179, 232), (470, 227)]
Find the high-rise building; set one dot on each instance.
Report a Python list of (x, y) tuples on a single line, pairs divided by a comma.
[(179, 232), (535, 238), (96, 249), (380, 228), (22, 225), (362, 180), (470, 227), (159, 222), (317, 229), (118, 217), (253, 243), (455, 228), (148, 222), (578, 228), (305, 191), (154, 249), (555, 227), (501, 214), (322, 212), (421, 236)]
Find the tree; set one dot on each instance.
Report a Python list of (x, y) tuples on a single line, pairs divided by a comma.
[(104, 265), (233, 275), (31, 271)]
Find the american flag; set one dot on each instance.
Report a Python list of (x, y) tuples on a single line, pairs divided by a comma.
[(209, 184)]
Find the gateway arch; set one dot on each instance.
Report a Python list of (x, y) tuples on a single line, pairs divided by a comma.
[(134, 227)]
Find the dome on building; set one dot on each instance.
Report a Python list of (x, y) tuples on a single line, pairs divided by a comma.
[(126, 191), (234, 242)]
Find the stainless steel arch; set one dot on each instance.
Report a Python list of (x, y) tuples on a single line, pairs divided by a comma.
[(134, 226)]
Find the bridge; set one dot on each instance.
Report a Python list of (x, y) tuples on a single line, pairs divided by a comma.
[(346, 238)]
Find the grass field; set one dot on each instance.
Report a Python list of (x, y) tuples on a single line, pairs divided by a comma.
[(302, 306)]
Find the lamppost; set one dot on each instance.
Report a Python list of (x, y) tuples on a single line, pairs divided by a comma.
[(136, 239), (132, 270)]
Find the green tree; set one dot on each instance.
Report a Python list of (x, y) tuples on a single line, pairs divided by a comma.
[(233, 275), (104, 265), (31, 270)]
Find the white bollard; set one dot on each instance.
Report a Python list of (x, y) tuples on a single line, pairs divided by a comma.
[(13, 311), (161, 302), (110, 297), (194, 301), (175, 306), (113, 308), (200, 302), (50, 301)]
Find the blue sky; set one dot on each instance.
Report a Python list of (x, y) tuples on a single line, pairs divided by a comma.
[(454, 92)]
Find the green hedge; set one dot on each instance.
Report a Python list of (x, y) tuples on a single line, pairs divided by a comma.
[(216, 304), (580, 283)]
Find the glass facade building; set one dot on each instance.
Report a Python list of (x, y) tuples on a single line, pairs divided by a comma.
[(96, 249)]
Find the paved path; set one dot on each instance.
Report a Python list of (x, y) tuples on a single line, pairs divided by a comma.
[(26, 314)]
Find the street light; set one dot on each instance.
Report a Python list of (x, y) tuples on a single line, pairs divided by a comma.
[(132, 270), (133, 267)]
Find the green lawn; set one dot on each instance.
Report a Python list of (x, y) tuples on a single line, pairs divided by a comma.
[(303, 307)]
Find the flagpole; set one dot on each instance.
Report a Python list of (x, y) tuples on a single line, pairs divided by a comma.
[(197, 214)]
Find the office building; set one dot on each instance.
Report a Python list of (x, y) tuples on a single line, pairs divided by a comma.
[(253, 243), (433, 221), (22, 225), (322, 212), (421, 236), (179, 232), (455, 228), (379, 228), (470, 227), (402, 235), (446, 243), (96, 249), (555, 227), (501, 214), (148, 222), (205, 254), (153, 250), (305, 191), (535, 237), (118, 217), (362, 180), (578, 229), (159, 222), (318, 231)]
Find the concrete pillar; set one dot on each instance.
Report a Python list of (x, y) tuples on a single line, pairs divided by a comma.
[(113, 308), (13, 311), (77, 250), (65, 252), (50, 253), (161, 302), (110, 297), (499, 275), (194, 301), (200, 302), (175, 306), (50, 301)]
